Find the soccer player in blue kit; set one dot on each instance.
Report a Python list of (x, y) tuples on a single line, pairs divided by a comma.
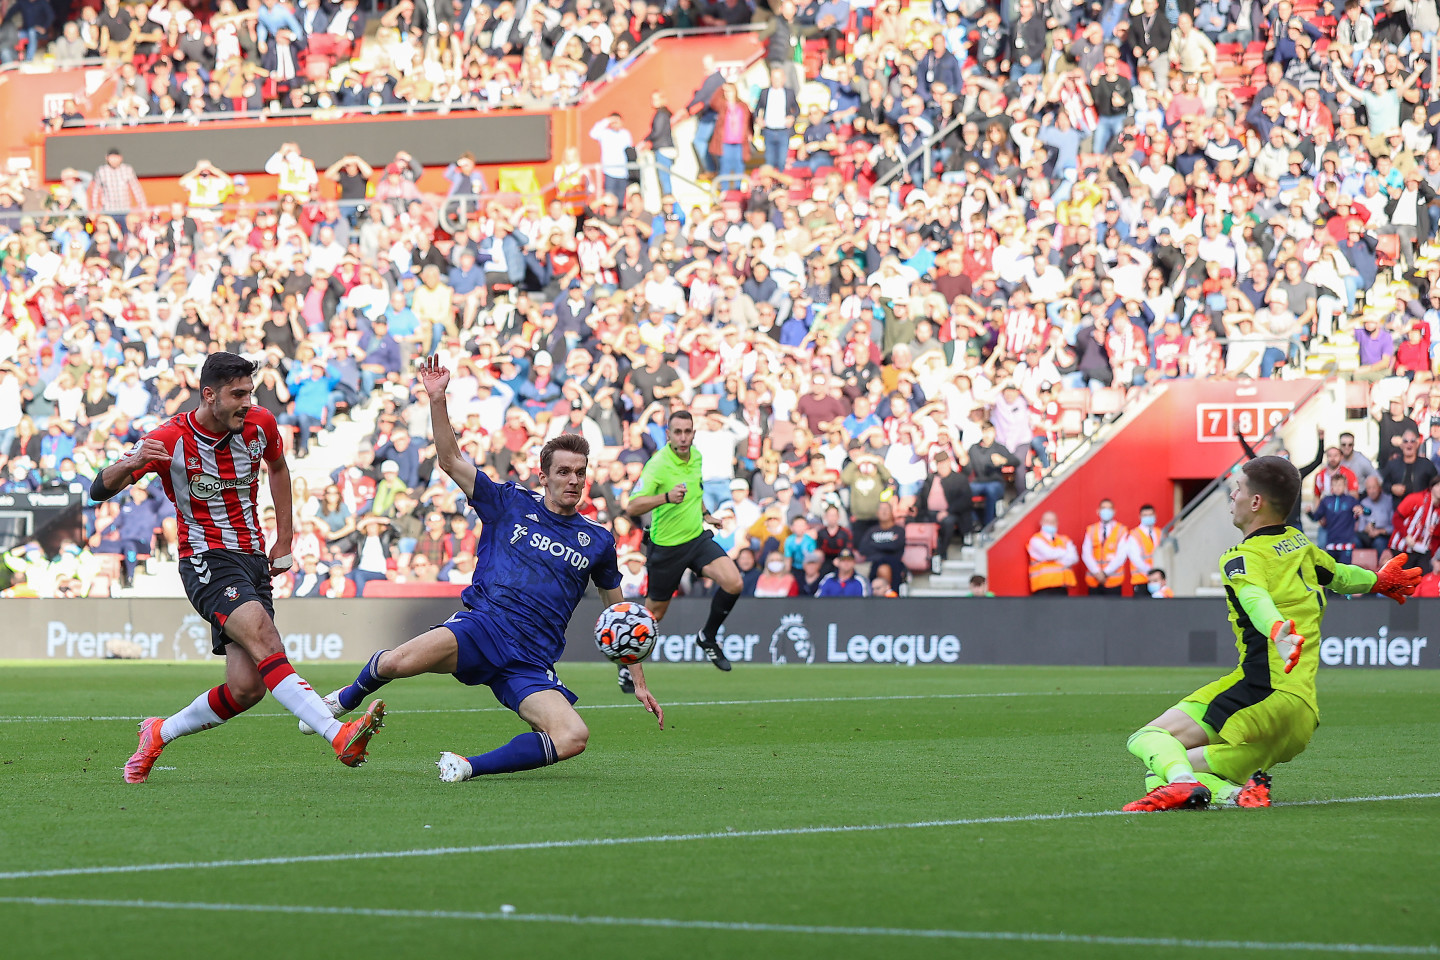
[(536, 557)]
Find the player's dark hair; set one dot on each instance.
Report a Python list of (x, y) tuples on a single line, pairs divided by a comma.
[(221, 368), (680, 415), (568, 442), (1276, 480)]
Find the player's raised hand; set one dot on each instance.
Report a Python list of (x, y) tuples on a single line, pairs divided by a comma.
[(433, 376), (1287, 642), (1394, 581), (149, 450)]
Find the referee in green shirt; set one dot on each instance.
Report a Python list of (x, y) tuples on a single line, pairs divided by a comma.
[(679, 541)]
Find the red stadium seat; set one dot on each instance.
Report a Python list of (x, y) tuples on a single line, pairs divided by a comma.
[(926, 534), (916, 557), (388, 588), (1107, 401), (1075, 399)]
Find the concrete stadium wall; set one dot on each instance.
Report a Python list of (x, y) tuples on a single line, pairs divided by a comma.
[(1095, 632)]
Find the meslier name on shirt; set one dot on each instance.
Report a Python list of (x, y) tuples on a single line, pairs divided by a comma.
[(1290, 544)]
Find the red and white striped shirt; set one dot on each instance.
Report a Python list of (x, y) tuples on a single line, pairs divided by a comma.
[(211, 480)]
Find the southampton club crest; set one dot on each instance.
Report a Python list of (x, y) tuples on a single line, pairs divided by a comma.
[(790, 643), (584, 539), (256, 448), (232, 593)]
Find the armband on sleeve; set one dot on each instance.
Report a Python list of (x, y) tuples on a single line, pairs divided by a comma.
[(98, 491)]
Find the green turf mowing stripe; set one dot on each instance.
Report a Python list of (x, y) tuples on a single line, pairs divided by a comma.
[(746, 927), (698, 703), (629, 841)]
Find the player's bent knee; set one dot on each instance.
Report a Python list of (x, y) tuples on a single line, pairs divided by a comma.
[(570, 740)]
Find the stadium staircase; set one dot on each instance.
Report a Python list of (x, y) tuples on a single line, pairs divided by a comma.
[(1192, 541)]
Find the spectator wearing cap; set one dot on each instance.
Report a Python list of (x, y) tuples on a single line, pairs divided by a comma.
[(541, 388), (402, 450), (311, 389), (842, 581), (577, 421), (811, 573)]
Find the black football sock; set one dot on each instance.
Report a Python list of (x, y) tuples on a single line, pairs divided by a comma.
[(720, 606)]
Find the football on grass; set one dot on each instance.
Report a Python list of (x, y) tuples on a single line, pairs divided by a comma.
[(625, 632)]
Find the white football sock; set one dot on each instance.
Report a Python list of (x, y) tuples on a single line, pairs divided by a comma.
[(296, 696), (194, 718)]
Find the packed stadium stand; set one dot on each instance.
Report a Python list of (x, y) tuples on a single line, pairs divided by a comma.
[(925, 274)]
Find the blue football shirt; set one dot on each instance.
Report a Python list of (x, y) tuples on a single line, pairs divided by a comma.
[(533, 566)]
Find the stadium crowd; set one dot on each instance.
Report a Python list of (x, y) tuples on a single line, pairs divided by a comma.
[(935, 245)]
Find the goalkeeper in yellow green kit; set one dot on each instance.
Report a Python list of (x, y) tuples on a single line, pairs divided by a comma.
[(1218, 744)]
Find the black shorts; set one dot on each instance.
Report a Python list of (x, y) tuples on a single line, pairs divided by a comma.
[(666, 565), (218, 582)]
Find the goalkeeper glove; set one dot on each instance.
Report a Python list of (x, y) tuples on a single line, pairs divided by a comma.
[(1287, 642), (1395, 582)]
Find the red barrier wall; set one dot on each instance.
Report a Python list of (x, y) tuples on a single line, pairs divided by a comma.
[(1152, 452)]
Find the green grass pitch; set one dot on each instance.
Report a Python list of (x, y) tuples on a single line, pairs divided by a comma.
[(887, 747)]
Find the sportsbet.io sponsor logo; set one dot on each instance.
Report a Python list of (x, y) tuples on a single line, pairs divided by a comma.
[(1379, 650), (203, 486), (793, 642)]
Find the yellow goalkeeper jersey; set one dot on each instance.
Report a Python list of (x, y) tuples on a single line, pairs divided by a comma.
[(1276, 573)]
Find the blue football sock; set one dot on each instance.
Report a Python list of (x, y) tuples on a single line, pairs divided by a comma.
[(525, 752), (365, 684)]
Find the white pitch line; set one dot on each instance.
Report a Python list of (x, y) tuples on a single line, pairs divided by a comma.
[(691, 703), (666, 923), (628, 841)]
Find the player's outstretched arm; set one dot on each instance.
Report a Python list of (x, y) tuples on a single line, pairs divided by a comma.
[(1392, 580), (435, 378), (637, 673), (123, 472)]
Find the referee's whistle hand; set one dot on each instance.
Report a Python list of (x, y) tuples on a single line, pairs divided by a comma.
[(677, 493)]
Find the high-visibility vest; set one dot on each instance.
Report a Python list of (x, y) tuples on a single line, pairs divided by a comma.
[(1045, 574), (295, 179), (1104, 551), (1147, 542)]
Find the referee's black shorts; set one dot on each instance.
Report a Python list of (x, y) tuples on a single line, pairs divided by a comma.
[(666, 565)]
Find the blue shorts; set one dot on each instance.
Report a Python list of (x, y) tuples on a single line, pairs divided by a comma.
[(487, 658)]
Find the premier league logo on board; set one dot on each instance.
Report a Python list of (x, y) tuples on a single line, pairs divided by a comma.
[(791, 643), (193, 634), (584, 539)]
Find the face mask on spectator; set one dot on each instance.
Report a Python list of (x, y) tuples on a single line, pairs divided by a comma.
[(1049, 529), (1154, 588), (1106, 514), (775, 566), (1147, 522)]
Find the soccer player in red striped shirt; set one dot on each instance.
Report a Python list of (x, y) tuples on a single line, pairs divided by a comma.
[(209, 462)]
